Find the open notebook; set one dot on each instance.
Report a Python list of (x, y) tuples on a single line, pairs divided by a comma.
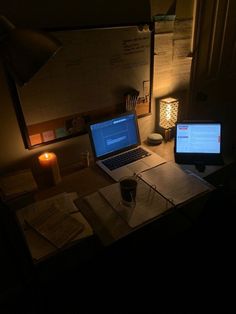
[(116, 146)]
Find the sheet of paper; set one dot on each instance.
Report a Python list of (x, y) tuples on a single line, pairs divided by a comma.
[(174, 183), (163, 59), (17, 183)]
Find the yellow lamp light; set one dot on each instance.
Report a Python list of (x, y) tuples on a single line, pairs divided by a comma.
[(168, 115)]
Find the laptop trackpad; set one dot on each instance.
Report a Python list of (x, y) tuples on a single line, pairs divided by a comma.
[(137, 167)]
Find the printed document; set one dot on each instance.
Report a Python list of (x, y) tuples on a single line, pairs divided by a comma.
[(174, 183)]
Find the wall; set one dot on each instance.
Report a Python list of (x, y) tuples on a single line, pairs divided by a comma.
[(184, 8), (172, 66), (59, 13)]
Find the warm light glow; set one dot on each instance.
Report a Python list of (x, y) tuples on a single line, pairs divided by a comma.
[(47, 158), (48, 164), (168, 112)]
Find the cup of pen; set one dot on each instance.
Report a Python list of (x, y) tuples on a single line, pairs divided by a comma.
[(128, 190)]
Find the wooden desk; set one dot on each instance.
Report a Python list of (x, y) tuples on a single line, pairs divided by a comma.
[(80, 183), (214, 174), (107, 225)]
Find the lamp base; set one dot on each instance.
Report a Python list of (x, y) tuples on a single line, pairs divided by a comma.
[(167, 135)]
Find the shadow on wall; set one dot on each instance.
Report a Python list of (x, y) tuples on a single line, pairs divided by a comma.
[(77, 13)]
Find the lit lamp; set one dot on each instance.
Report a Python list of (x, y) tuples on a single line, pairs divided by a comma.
[(168, 115)]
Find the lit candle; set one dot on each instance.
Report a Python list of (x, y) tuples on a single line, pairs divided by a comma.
[(49, 166)]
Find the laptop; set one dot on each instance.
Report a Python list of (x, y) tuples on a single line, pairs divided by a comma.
[(116, 146), (198, 143)]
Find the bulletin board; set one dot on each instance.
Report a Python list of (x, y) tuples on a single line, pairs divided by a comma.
[(86, 80)]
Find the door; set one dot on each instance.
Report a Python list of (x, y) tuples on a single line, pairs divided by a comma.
[(213, 79)]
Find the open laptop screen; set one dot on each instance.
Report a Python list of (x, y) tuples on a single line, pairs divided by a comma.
[(198, 142), (114, 134)]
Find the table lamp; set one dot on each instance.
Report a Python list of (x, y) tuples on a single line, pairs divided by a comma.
[(168, 115), (24, 51)]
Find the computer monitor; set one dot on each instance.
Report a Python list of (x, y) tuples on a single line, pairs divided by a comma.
[(198, 143)]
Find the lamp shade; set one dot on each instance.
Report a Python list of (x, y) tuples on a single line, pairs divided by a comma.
[(168, 112), (25, 51)]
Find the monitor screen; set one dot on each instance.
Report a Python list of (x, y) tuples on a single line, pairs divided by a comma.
[(198, 138), (198, 142), (114, 134)]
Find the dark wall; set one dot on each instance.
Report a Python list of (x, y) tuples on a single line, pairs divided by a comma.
[(44, 13)]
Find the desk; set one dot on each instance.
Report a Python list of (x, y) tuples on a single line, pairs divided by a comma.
[(216, 175), (80, 183), (107, 225)]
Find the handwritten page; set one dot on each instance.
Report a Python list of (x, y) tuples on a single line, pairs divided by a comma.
[(174, 183)]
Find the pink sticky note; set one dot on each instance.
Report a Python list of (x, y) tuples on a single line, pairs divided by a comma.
[(48, 136)]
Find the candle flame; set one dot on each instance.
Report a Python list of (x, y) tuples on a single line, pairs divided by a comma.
[(46, 155)]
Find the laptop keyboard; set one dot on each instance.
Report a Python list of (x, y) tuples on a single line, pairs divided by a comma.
[(125, 158)]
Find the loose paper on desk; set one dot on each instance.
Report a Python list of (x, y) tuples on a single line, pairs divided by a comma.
[(149, 203), (174, 183), (18, 183)]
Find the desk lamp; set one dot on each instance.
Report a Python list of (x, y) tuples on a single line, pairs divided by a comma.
[(168, 115), (24, 51)]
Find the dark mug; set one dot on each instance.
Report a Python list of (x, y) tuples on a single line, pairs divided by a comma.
[(128, 189)]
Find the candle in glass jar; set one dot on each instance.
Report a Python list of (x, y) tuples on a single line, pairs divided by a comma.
[(49, 166)]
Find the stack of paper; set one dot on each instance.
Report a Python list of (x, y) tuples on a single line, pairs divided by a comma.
[(175, 184), (18, 183)]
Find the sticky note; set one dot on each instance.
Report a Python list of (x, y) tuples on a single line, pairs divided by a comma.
[(61, 132), (35, 139), (48, 136)]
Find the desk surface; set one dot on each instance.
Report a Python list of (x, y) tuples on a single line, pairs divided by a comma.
[(166, 150), (105, 221)]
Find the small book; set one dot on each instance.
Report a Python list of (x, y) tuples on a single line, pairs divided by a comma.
[(56, 226)]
